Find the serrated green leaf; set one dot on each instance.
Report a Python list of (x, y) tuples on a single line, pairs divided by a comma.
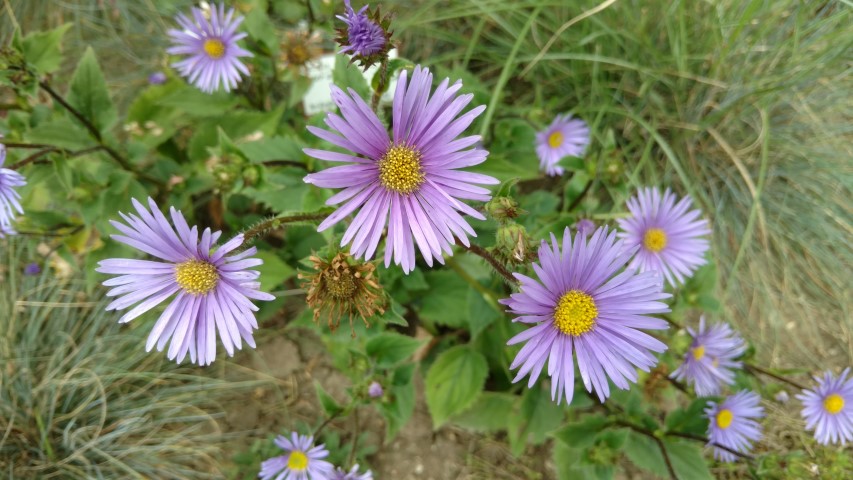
[(687, 460), (538, 416), (60, 132), (88, 93), (581, 433), (329, 404), (481, 313), (43, 50), (645, 453), (690, 419), (196, 103), (454, 382), (490, 413), (273, 148), (447, 302), (390, 348)]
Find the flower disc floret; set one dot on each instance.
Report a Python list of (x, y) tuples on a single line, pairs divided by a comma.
[(400, 169), (575, 313)]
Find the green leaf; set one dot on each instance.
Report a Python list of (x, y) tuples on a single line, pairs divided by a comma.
[(490, 413), (260, 28), (272, 148), (394, 65), (481, 313), (61, 132), (43, 50), (581, 434), (687, 460), (541, 414), (645, 453), (447, 302), (454, 382), (349, 76), (329, 404), (399, 409), (88, 93), (390, 348), (690, 419), (274, 271), (196, 103)]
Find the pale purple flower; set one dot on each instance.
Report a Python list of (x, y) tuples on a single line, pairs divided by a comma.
[(10, 203), (409, 181), (374, 390), (732, 424), (32, 269), (710, 361), (828, 408), (213, 56), (157, 78), (301, 461), (565, 137), (341, 474), (585, 226), (213, 290), (670, 235), (365, 36), (586, 305)]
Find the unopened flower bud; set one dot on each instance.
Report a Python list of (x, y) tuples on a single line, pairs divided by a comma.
[(375, 390), (503, 208), (513, 244)]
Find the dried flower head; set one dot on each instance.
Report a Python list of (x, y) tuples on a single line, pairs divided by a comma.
[(342, 286), (299, 47)]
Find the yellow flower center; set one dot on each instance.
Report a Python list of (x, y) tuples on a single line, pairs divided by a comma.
[(698, 352), (298, 461), (555, 139), (833, 403), (575, 313), (655, 239), (214, 48), (400, 169), (724, 418), (196, 277)]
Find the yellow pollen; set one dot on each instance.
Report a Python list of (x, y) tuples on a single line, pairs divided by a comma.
[(833, 403), (196, 277), (724, 418), (698, 352), (298, 461), (555, 139), (575, 313), (214, 48), (655, 239), (400, 169)]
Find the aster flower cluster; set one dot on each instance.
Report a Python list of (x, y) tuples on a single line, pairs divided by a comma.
[(304, 461), (711, 359)]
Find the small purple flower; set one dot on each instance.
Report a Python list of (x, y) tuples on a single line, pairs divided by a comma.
[(301, 461), (585, 226), (710, 361), (374, 390), (585, 305), (732, 425), (157, 78), (409, 181), (669, 234), (10, 203), (341, 474), (828, 408), (32, 269), (213, 56), (213, 289), (565, 137), (365, 36)]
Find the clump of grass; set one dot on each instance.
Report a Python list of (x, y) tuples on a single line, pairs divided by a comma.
[(80, 398)]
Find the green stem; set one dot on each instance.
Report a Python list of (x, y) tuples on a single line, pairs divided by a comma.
[(380, 89), (278, 222)]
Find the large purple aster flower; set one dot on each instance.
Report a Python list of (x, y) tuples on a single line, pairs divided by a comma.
[(710, 361), (301, 461), (341, 474), (10, 203), (586, 306), (411, 180), (213, 56), (565, 137), (731, 424), (669, 234), (828, 409), (365, 36), (213, 290)]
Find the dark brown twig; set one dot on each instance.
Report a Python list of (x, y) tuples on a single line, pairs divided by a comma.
[(580, 197), (35, 158), (284, 163), (755, 369), (651, 434), (484, 254), (705, 440), (33, 146)]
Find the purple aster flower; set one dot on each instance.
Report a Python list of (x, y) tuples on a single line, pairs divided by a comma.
[(732, 425), (585, 226), (668, 233), (365, 36), (32, 269), (586, 305), (409, 181), (301, 461), (213, 56), (710, 361), (213, 289), (341, 474), (9, 197), (828, 409), (374, 390), (565, 137), (157, 78)]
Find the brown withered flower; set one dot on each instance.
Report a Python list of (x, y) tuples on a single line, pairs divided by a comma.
[(340, 287), (299, 47)]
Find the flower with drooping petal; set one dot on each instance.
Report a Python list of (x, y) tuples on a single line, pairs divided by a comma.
[(10, 203), (213, 56), (828, 408), (565, 137), (364, 36), (212, 289), (409, 181), (585, 305), (301, 461), (732, 424), (670, 235), (710, 361), (341, 474)]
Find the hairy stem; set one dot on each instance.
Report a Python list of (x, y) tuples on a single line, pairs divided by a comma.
[(278, 222), (380, 89), (483, 253)]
